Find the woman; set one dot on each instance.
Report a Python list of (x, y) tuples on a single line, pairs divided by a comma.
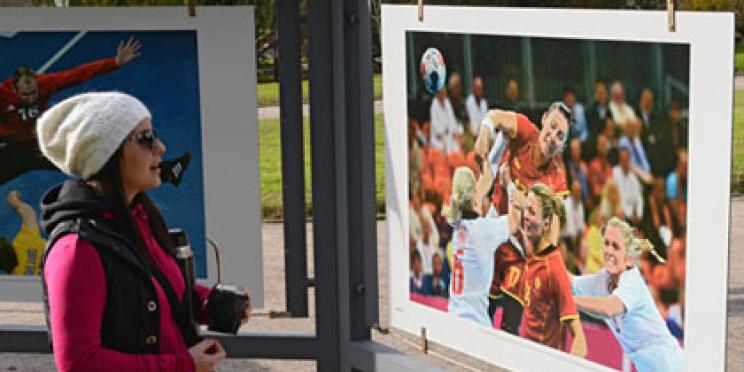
[(618, 295), (474, 240), (114, 294), (532, 156), (549, 310)]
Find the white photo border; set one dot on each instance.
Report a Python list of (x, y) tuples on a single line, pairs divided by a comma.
[(229, 125), (710, 36)]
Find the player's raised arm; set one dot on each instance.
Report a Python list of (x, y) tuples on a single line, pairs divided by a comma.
[(128, 51), (499, 125)]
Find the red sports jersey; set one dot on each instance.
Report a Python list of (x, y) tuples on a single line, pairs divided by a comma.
[(18, 121), (548, 302), (507, 272), (508, 263)]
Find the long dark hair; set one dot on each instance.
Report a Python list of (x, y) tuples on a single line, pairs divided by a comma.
[(107, 183)]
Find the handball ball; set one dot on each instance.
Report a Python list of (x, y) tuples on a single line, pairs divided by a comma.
[(433, 70)]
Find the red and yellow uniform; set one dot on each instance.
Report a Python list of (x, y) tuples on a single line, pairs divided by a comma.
[(18, 121), (548, 302), (509, 263)]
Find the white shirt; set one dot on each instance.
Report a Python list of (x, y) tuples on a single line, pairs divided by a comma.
[(640, 330), (575, 224), (476, 112), (581, 131), (443, 126), (636, 151), (473, 244), (427, 252), (631, 193), (417, 231), (621, 113)]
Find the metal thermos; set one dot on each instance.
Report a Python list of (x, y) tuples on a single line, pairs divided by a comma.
[(185, 259)]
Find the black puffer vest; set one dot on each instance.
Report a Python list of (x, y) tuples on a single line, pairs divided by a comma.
[(131, 319)]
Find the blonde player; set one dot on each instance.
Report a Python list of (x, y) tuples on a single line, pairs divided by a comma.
[(618, 294), (474, 240)]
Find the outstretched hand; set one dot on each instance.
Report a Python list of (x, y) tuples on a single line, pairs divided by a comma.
[(128, 51)]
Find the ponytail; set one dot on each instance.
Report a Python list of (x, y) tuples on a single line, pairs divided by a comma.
[(634, 247)]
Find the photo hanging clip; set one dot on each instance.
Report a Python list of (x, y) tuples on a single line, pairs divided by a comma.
[(671, 15), (421, 10), (192, 7)]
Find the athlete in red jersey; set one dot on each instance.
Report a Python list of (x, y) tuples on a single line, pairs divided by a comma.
[(549, 309), (25, 96), (532, 156)]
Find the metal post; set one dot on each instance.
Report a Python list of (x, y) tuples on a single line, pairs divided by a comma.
[(325, 70), (360, 170), (293, 163)]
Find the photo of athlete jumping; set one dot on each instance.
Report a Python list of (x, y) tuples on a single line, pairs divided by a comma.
[(25, 95)]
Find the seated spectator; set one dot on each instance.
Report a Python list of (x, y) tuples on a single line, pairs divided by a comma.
[(620, 110), (575, 226), (421, 220), (676, 315), (610, 205), (678, 128), (600, 169), (676, 193), (445, 130), (592, 245), (426, 246), (579, 171), (578, 125), (657, 219), (511, 102), (631, 193), (477, 106), (638, 160), (435, 283), (416, 278), (595, 119)]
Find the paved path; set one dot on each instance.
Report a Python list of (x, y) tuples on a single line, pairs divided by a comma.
[(18, 313)]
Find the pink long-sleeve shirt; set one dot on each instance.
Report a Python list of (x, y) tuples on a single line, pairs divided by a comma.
[(76, 287)]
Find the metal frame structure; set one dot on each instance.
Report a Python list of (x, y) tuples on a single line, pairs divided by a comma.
[(345, 253)]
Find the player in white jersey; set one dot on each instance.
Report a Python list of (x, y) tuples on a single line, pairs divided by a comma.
[(618, 295), (474, 240)]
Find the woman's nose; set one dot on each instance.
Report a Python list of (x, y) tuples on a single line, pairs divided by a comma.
[(161, 147)]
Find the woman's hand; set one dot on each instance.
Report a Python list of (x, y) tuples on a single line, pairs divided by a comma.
[(248, 307), (207, 354)]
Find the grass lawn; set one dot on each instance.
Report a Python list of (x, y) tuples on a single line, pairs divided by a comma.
[(738, 150), (268, 93), (739, 62), (271, 166)]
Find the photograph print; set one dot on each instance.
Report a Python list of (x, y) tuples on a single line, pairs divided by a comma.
[(547, 190), (41, 68)]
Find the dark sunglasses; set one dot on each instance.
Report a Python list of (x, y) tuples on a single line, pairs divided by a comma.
[(147, 138)]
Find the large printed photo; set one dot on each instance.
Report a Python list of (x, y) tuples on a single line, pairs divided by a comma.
[(41, 68), (548, 190)]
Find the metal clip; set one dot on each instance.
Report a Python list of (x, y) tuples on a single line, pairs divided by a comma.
[(191, 4), (421, 10), (423, 342), (671, 15)]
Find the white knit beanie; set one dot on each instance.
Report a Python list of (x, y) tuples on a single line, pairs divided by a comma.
[(80, 134)]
